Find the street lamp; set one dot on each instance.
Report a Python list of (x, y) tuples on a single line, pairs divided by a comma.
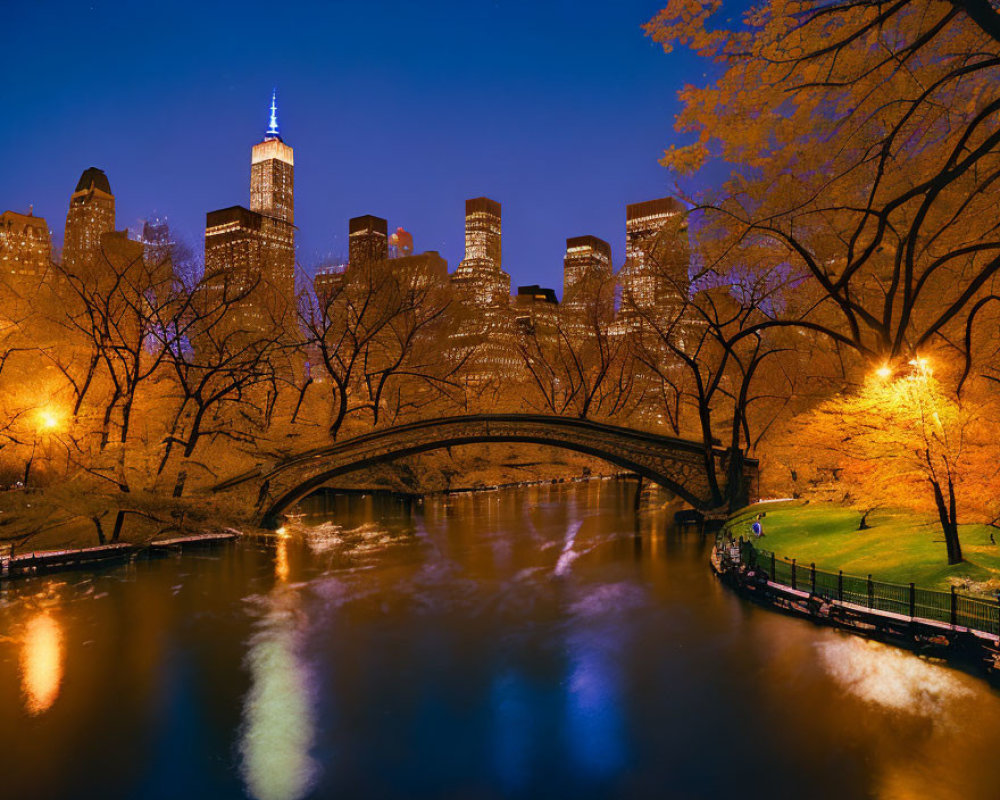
[(48, 419)]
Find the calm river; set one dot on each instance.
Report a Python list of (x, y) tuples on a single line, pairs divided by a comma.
[(531, 642)]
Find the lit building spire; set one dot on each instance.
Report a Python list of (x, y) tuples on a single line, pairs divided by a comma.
[(272, 128)]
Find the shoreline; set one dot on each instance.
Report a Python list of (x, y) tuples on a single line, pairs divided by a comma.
[(974, 651), (38, 562)]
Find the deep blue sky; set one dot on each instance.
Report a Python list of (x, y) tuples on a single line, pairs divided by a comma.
[(559, 110)]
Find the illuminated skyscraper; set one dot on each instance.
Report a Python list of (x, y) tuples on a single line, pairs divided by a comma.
[(368, 241), (234, 246), (654, 280), (537, 312), (25, 248), (587, 275), (91, 214), (328, 280), (272, 173), (489, 331), (422, 270), (479, 278), (255, 247), (483, 231)]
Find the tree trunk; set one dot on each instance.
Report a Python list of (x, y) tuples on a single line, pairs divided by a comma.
[(27, 465), (949, 524), (100, 530), (119, 524), (179, 484), (736, 487), (341, 413)]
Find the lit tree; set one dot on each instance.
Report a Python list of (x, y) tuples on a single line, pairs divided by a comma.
[(116, 308), (904, 441)]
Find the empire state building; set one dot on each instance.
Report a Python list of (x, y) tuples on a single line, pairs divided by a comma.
[(272, 168), (254, 249)]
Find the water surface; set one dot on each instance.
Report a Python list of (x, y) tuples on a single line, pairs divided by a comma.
[(535, 642)]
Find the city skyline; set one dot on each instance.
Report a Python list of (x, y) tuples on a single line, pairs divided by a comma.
[(558, 161), (271, 203)]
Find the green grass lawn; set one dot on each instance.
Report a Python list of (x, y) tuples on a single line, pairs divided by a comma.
[(899, 547)]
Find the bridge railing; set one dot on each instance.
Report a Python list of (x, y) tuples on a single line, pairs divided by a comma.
[(959, 609)]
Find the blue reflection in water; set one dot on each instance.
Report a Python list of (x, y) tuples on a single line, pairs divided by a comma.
[(595, 722), (595, 713)]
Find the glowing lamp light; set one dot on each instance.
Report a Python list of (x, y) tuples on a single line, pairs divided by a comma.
[(921, 364), (48, 420)]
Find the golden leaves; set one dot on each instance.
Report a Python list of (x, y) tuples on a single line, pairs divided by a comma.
[(684, 160), (683, 22)]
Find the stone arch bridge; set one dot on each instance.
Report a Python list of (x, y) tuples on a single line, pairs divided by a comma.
[(678, 465)]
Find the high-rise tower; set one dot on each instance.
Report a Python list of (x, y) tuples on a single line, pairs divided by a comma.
[(654, 279), (484, 288), (588, 284), (482, 231), (368, 241), (255, 248), (272, 172), (91, 215), (479, 277), (25, 247)]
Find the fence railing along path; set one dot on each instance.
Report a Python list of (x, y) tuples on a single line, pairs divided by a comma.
[(958, 609)]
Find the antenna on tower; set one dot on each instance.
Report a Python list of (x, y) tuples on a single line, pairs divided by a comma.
[(272, 128)]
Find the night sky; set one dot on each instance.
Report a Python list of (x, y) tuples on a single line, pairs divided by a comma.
[(559, 110)]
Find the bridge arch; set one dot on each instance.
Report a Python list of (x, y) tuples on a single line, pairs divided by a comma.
[(676, 464)]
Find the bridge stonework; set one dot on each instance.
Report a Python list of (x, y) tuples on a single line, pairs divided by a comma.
[(676, 464)]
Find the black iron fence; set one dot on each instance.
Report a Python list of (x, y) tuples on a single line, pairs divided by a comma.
[(976, 612)]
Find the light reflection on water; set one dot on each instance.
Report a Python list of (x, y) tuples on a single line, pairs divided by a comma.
[(41, 662), (526, 643), (278, 727), (892, 678)]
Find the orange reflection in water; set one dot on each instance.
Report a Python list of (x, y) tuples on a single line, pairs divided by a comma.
[(281, 560), (41, 662)]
